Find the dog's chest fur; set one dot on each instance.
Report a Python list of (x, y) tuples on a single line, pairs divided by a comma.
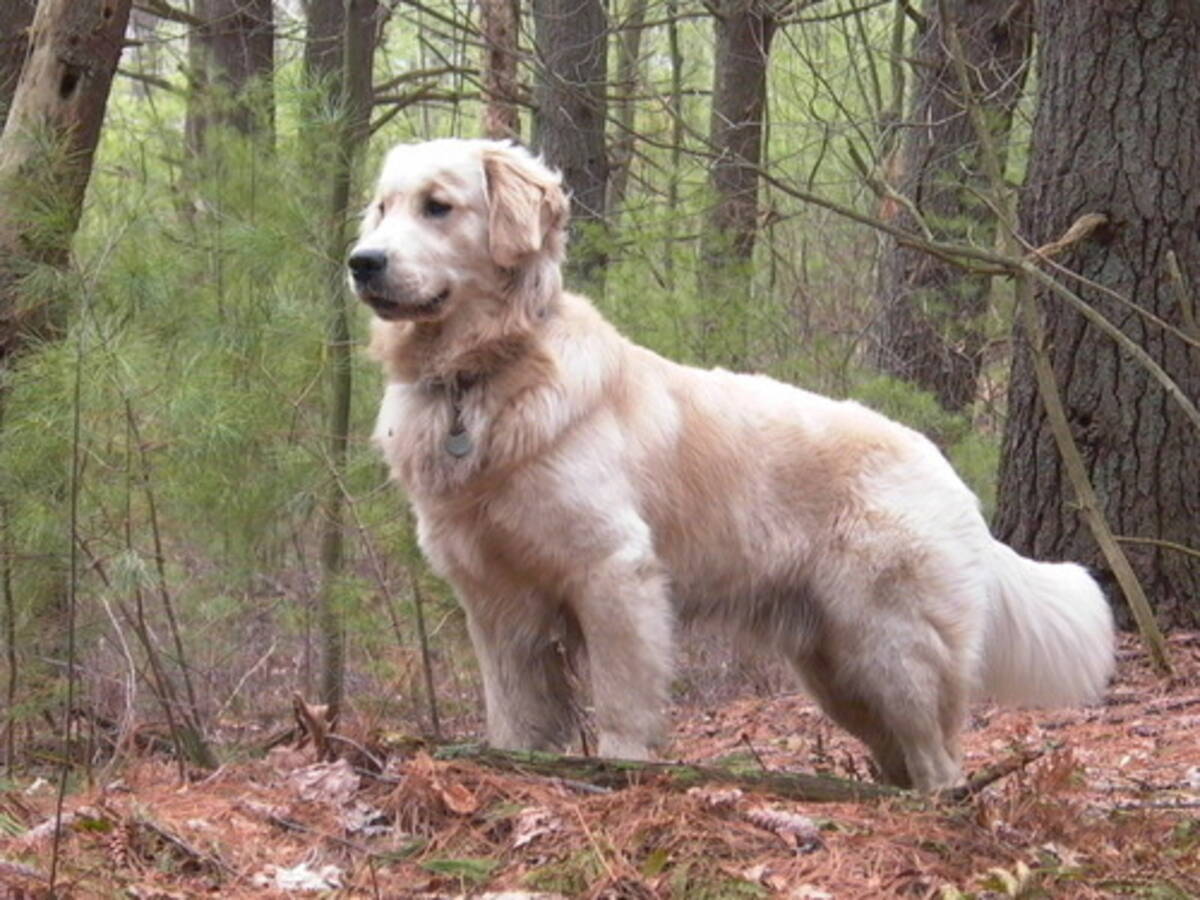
[(414, 426)]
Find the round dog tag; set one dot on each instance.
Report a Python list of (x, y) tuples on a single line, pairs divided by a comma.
[(458, 443)]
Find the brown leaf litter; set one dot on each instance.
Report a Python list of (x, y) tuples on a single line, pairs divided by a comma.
[(1110, 808)]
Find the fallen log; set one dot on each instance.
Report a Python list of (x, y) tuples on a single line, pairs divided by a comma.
[(616, 774)]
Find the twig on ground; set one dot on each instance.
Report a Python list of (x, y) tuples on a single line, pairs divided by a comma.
[(991, 774), (198, 857), (350, 742), (745, 739)]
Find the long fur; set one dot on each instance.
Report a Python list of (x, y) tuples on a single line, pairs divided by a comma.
[(608, 493), (1044, 622)]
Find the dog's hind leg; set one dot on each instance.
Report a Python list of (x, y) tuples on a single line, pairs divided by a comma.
[(859, 716), (893, 686), (527, 690)]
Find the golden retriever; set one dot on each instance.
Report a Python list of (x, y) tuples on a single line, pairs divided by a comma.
[(575, 487)]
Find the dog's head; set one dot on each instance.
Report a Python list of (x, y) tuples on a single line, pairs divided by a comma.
[(457, 221)]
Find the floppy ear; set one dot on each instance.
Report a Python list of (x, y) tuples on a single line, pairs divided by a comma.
[(525, 204)]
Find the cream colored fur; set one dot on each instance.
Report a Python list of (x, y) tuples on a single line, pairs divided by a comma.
[(609, 493)]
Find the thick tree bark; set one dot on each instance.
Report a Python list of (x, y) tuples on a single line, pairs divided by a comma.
[(47, 147), (928, 330), (501, 116), (744, 30), (14, 41), (1116, 133), (570, 110)]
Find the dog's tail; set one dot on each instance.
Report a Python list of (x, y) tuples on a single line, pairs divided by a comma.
[(1049, 638)]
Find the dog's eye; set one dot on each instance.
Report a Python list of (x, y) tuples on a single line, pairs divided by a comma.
[(435, 209), (379, 209)]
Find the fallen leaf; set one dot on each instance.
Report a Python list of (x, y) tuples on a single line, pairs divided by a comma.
[(459, 800), (656, 862), (298, 878), (754, 873), (359, 818), (532, 824), (332, 783), (716, 798)]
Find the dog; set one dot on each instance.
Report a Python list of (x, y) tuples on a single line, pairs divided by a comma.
[(580, 491)]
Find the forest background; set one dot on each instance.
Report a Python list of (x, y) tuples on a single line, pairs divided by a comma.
[(978, 218)]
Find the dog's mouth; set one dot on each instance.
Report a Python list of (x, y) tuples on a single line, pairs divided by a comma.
[(392, 310)]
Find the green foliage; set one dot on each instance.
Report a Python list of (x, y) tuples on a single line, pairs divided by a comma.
[(9, 827), (688, 883), (468, 871), (571, 876), (198, 322)]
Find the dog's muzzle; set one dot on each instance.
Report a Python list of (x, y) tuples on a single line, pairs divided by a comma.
[(367, 271)]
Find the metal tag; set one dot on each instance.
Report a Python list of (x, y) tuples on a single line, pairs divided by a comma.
[(458, 444)]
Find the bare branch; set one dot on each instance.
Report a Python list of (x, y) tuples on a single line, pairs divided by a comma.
[(1082, 229), (152, 80), (164, 10)]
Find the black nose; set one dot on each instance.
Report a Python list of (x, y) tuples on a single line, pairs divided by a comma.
[(366, 264)]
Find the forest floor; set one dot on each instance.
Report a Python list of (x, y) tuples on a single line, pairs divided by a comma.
[(1110, 807)]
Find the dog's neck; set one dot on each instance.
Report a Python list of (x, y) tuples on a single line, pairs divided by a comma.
[(465, 350)]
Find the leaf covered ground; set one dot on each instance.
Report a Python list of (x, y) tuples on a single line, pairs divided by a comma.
[(1111, 807)]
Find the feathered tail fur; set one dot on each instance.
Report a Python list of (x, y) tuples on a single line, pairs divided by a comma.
[(1049, 639)]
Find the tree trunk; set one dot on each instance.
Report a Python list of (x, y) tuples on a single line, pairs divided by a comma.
[(46, 150), (570, 109), (743, 33), (629, 52), (322, 72), (1116, 133), (199, 88), (322, 40), (675, 175), (928, 330), (243, 64), (501, 117), (350, 84), (14, 41), (231, 58)]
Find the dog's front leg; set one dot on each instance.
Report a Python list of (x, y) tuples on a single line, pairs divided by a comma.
[(624, 612), (526, 688)]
